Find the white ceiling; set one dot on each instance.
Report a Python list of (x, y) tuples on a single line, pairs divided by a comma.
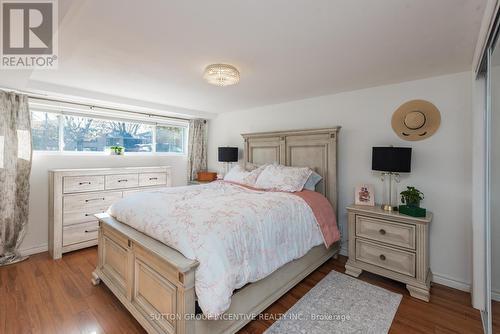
[(156, 50)]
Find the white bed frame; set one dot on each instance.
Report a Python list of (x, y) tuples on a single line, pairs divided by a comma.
[(156, 283)]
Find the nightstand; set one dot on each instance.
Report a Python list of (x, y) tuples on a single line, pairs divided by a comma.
[(390, 244)]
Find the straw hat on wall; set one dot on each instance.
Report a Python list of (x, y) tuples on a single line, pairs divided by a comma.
[(416, 120)]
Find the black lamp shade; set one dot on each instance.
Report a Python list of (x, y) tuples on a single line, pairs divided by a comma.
[(228, 154), (392, 159)]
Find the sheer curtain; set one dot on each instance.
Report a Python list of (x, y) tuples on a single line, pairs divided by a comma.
[(197, 147), (15, 168)]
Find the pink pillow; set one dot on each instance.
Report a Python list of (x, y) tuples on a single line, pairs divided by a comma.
[(240, 175), (283, 178)]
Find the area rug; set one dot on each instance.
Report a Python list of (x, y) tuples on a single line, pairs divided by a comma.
[(340, 304)]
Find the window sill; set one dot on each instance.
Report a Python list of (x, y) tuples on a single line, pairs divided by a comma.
[(104, 154)]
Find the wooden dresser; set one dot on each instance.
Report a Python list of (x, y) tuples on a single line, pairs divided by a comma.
[(76, 195), (392, 245)]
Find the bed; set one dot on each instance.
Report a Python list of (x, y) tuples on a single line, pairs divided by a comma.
[(156, 283)]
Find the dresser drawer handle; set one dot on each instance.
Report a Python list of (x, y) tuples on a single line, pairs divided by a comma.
[(94, 199), (93, 230), (382, 257), (82, 183), (382, 231), (153, 178), (91, 214), (123, 180)]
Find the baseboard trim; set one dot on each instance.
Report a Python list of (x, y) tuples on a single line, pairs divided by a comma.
[(34, 250), (495, 295), (450, 282), (437, 278)]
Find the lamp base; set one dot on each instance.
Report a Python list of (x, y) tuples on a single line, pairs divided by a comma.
[(388, 207)]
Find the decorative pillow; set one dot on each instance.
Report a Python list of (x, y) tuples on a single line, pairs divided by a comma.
[(238, 174), (283, 178), (312, 181)]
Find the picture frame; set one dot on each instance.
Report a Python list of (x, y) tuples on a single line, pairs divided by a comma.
[(364, 195)]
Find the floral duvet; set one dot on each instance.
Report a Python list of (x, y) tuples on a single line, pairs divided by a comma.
[(238, 235)]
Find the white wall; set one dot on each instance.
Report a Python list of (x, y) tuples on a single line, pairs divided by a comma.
[(441, 164), (36, 239)]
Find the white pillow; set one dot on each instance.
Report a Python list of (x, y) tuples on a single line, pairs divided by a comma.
[(283, 178), (249, 166), (312, 181), (240, 175)]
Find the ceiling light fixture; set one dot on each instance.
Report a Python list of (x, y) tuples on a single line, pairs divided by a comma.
[(221, 75)]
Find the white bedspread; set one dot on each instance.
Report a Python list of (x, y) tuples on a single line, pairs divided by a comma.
[(238, 235)]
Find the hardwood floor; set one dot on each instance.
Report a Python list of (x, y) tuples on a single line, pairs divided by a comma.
[(45, 296), (496, 317)]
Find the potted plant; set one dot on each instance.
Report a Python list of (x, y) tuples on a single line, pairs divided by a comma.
[(117, 150), (412, 197)]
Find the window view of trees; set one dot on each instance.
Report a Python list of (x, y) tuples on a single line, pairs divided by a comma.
[(85, 134), (82, 134), (45, 131), (90, 134)]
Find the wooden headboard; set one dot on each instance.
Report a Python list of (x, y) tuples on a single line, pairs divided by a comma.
[(315, 148)]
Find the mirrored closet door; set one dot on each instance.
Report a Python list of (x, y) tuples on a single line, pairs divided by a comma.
[(494, 222), (493, 228)]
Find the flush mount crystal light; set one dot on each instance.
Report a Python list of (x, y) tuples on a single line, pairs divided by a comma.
[(221, 74)]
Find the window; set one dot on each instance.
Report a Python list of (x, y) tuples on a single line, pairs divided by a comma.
[(170, 139), (75, 133), (85, 134), (44, 131)]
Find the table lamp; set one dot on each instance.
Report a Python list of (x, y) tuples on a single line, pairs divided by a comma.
[(391, 161), (227, 155)]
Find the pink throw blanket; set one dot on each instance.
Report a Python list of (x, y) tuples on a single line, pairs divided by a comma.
[(325, 216)]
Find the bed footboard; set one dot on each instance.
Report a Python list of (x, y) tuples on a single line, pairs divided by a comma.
[(155, 283)]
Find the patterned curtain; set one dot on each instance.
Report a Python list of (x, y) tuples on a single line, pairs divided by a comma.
[(15, 168), (197, 147)]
